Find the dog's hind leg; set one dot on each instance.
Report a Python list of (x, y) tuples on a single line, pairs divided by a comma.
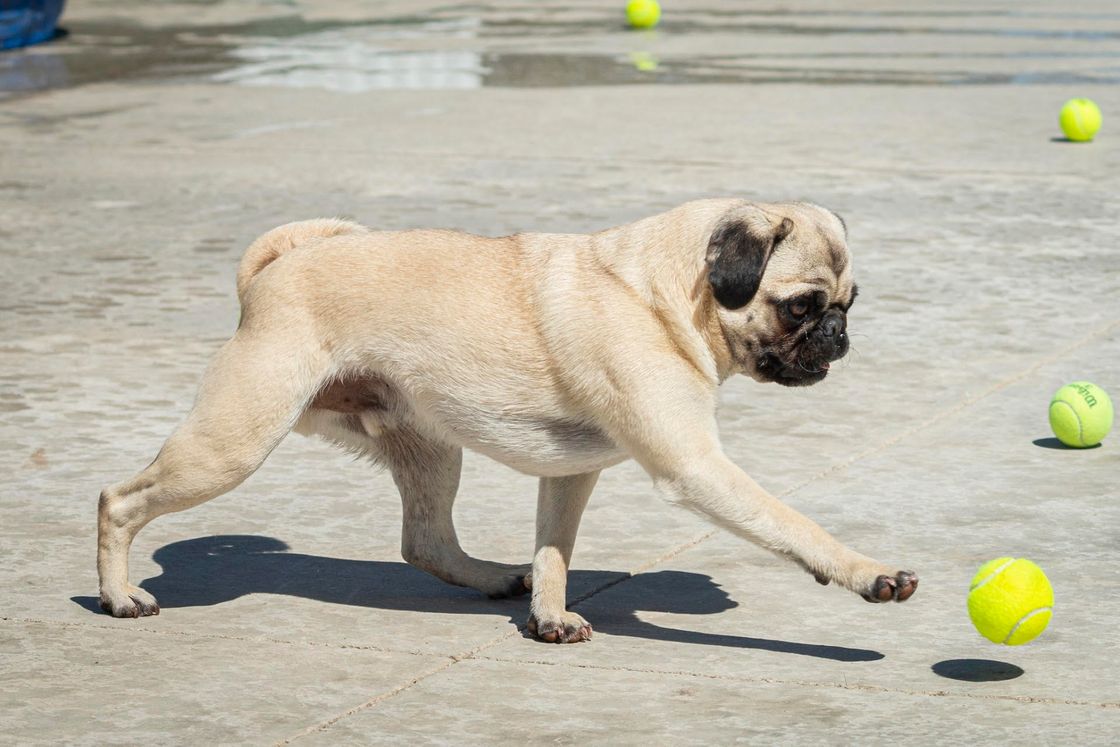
[(427, 474), (251, 395)]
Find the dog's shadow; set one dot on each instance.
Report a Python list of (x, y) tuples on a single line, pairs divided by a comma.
[(211, 570)]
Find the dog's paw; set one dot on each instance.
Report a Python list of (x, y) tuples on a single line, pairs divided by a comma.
[(568, 627), (897, 588), (135, 603)]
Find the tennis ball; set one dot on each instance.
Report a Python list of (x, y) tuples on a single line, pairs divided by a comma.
[(1080, 414), (1009, 601), (643, 14), (1080, 119)]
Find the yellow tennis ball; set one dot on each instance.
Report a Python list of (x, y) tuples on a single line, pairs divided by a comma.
[(1010, 601), (1080, 119), (643, 14), (1080, 414)]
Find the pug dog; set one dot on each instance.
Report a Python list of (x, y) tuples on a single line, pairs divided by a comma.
[(556, 354)]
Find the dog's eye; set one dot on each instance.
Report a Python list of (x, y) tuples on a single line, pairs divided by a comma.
[(798, 308)]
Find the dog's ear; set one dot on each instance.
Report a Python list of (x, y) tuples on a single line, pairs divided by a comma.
[(737, 255)]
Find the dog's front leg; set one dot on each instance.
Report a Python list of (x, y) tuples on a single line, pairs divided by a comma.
[(712, 485), (560, 505), (671, 431)]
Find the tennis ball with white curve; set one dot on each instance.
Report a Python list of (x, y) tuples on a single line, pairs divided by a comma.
[(1080, 414), (1080, 120), (1010, 601)]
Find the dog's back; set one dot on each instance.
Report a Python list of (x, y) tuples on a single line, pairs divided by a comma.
[(284, 238)]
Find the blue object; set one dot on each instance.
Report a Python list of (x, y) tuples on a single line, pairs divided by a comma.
[(24, 22)]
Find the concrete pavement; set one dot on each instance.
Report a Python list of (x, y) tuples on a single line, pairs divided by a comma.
[(140, 155)]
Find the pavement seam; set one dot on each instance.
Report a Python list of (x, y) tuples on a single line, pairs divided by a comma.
[(326, 724), (369, 703), (809, 683)]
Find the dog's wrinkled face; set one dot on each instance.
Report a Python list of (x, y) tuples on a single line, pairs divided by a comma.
[(782, 281)]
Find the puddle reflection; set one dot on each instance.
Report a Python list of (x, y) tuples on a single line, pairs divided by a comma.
[(479, 46)]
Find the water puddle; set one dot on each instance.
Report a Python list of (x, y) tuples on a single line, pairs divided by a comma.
[(476, 46), (358, 59)]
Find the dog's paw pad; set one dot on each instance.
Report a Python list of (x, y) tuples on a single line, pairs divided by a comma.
[(898, 588)]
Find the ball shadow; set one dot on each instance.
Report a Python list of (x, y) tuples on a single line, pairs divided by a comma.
[(976, 670), (1053, 443)]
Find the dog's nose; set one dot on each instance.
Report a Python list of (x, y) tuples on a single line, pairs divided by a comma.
[(832, 326)]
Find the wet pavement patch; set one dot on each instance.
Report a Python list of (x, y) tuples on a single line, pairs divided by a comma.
[(474, 46)]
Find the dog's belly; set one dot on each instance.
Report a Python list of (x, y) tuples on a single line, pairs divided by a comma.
[(357, 413), (542, 446)]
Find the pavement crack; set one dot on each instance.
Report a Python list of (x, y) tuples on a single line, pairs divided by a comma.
[(328, 723), (385, 695)]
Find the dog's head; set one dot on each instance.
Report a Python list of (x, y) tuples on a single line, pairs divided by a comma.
[(781, 279)]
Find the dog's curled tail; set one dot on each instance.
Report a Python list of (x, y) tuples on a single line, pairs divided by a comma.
[(284, 238)]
